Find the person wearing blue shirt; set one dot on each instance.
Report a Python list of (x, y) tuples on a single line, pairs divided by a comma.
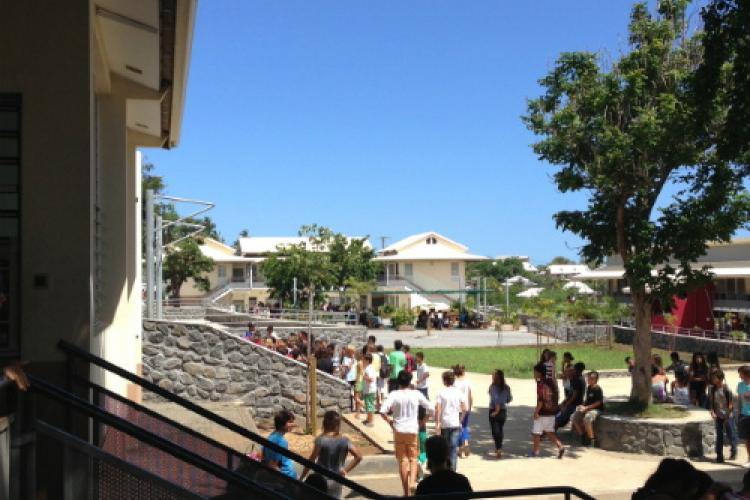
[(283, 422)]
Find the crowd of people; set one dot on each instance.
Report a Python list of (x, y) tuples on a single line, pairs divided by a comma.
[(702, 383)]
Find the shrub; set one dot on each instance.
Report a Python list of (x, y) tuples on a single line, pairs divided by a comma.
[(738, 335), (402, 316)]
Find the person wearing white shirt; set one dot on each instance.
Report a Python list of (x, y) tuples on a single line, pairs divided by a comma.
[(404, 404), (449, 409), (465, 387), (423, 373)]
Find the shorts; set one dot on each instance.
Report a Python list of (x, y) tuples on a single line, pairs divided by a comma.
[(545, 423), (585, 418), (381, 384), (743, 427), (406, 446), (369, 403), (359, 386)]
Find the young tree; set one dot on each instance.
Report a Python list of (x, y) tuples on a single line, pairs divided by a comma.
[(560, 260), (622, 134), (186, 262)]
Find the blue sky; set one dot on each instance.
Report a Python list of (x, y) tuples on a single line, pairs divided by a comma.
[(380, 118)]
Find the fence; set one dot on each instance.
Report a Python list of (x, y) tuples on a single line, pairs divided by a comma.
[(303, 316), (584, 331)]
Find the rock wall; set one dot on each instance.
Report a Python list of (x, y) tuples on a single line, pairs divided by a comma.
[(692, 437), (184, 313), (202, 362), (686, 343)]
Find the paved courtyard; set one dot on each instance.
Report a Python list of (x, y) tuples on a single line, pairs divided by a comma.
[(603, 474)]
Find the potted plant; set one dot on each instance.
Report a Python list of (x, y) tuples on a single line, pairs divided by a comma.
[(385, 312), (403, 319)]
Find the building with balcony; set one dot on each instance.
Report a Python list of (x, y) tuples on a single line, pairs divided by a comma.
[(729, 291), (422, 269)]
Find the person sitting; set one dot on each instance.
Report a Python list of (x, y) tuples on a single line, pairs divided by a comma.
[(681, 388), (630, 364), (250, 332), (585, 415), (675, 479), (442, 479), (574, 397), (659, 383)]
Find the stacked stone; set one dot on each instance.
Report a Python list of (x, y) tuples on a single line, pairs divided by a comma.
[(674, 439), (688, 343), (201, 362)]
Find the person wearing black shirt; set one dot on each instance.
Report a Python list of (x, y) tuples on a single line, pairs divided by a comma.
[(442, 479), (586, 413), (574, 397)]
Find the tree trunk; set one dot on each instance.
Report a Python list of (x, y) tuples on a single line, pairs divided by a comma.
[(640, 392)]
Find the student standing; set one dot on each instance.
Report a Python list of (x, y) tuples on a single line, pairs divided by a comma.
[(423, 373), (547, 397), (370, 388), (720, 404), (283, 422), (403, 403), (465, 387), (450, 406), (500, 396), (743, 398), (397, 363), (330, 450), (698, 379)]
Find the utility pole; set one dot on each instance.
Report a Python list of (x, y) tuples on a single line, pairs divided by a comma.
[(382, 241), (294, 292), (159, 267)]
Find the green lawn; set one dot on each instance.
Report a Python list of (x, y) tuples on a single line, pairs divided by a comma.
[(518, 362)]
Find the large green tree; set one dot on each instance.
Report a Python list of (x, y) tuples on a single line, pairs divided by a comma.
[(186, 261), (621, 133), (325, 261), (499, 269)]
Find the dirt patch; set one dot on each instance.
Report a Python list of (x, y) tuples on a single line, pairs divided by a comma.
[(302, 443)]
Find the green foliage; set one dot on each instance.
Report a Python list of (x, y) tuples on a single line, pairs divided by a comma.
[(386, 310), (518, 361), (186, 262), (560, 260), (402, 316), (556, 304), (621, 134), (722, 83), (168, 211), (331, 261), (499, 269), (738, 335)]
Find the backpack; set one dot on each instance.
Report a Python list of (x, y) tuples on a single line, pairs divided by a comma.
[(385, 367), (549, 397)]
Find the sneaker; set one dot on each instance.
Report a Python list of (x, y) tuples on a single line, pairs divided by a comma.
[(585, 441), (561, 452), (746, 465)]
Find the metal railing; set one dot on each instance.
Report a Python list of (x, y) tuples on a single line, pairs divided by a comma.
[(74, 352), (303, 316), (156, 443), (698, 332)]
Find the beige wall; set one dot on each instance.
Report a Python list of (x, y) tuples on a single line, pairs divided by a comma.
[(434, 275), (46, 58)]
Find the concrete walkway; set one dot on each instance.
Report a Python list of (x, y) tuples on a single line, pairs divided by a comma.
[(603, 474)]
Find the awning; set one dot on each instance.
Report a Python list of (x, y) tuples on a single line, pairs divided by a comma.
[(580, 287), (530, 293)]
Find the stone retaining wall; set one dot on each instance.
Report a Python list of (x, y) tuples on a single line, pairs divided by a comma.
[(690, 437), (202, 362), (686, 343), (184, 313)]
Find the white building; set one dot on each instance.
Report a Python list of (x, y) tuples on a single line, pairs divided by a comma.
[(567, 270), (425, 268), (525, 261)]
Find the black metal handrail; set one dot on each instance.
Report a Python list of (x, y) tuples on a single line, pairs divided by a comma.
[(80, 445), (76, 351), (70, 400), (231, 452)]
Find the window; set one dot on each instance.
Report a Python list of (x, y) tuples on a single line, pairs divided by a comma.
[(222, 271), (409, 270), (454, 269), (10, 251), (238, 274), (431, 240)]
